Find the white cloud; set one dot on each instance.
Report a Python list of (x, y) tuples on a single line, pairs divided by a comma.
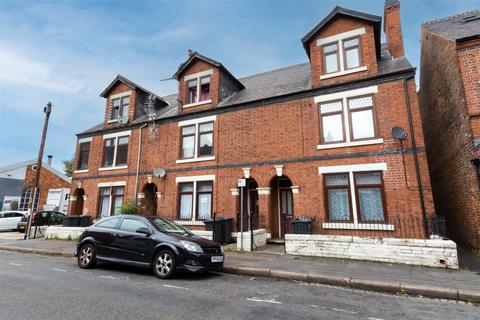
[(16, 68)]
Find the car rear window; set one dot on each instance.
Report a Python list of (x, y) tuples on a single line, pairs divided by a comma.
[(109, 223), (132, 225)]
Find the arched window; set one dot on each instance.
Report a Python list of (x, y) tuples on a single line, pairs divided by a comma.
[(26, 198)]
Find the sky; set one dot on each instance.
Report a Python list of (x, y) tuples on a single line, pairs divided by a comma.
[(67, 52)]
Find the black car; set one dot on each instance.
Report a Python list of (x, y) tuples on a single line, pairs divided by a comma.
[(41, 218), (149, 242)]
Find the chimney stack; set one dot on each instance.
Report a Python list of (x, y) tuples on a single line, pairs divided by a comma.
[(393, 29), (49, 159), (190, 53)]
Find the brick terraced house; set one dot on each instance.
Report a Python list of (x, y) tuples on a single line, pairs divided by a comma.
[(450, 100), (312, 139)]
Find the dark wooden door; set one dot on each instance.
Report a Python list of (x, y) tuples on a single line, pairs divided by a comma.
[(286, 211)]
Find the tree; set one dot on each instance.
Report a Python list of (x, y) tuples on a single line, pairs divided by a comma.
[(68, 167)]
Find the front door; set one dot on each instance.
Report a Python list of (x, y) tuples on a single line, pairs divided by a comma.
[(253, 208), (286, 211)]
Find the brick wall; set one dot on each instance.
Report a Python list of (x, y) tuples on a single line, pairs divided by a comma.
[(284, 133), (446, 76)]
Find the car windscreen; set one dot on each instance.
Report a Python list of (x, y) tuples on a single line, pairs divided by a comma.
[(169, 227)]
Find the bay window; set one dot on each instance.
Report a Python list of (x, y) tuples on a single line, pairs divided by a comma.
[(195, 200), (111, 199), (354, 197)]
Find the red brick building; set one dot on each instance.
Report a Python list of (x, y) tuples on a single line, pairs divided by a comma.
[(312, 139), (450, 100)]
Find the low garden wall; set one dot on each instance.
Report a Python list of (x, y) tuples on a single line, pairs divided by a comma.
[(260, 237), (431, 252), (63, 233)]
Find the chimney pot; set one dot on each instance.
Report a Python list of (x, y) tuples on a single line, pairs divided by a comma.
[(49, 159), (190, 52)]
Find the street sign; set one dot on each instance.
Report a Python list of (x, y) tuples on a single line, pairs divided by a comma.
[(242, 183)]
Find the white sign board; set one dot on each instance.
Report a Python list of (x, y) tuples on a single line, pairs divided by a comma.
[(241, 183)]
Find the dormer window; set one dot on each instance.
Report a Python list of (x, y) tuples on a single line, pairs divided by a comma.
[(119, 107), (194, 86), (341, 54), (351, 49)]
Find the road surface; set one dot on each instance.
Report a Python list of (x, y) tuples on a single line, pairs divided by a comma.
[(43, 287)]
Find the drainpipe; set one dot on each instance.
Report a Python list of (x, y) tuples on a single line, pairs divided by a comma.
[(138, 160), (415, 157)]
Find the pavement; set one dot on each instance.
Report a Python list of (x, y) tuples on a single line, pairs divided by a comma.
[(460, 285), (39, 287)]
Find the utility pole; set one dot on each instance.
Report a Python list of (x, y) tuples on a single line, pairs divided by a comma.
[(47, 110)]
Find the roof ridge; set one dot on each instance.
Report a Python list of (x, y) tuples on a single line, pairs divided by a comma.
[(450, 17)]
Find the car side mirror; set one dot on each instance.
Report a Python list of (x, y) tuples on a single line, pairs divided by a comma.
[(144, 230)]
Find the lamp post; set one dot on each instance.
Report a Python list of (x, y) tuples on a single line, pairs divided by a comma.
[(47, 110)]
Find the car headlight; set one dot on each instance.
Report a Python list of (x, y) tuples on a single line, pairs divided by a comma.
[(190, 246), (221, 249)]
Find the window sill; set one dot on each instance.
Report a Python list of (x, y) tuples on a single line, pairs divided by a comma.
[(119, 120), (81, 171), (112, 168), (197, 103), (342, 73), (359, 226), (349, 144), (189, 223), (196, 159)]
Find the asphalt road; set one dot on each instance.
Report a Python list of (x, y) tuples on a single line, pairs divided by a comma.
[(43, 287)]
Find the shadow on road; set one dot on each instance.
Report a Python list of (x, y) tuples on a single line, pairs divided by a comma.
[(148, 272)]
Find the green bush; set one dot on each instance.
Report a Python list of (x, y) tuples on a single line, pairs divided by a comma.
[(128, 207)]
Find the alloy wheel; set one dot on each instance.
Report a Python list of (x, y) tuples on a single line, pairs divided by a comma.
[(164, 264), (86, 255)]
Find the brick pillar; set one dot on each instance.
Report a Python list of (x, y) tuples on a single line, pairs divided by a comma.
[(264, 206)]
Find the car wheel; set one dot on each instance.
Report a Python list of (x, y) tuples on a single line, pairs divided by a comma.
[(164, 264), (86, 257)]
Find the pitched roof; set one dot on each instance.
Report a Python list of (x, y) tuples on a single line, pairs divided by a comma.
[(196, 55), (459, 27), (120, 78), (279, 82), (375, 20), (32, 162)]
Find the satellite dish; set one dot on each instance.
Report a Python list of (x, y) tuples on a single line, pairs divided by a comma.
[(159, 173), (399, 133)]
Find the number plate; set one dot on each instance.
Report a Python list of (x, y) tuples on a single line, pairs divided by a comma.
[(217, 259)]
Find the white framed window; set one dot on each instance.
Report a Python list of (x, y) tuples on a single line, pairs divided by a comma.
[(348, 118), (119, 104), (115, 151), (111, 199), (195, 199), (198, 88), (354, 197), (196, 140), (342, 54)]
